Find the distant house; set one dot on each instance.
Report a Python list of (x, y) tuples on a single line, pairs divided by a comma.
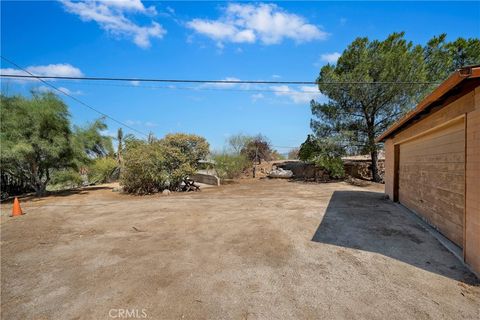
[(432, 163)]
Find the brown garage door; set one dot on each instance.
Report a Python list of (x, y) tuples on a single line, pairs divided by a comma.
[(432, 178)]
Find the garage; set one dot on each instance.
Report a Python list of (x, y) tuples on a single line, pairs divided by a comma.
[(432, 178), (432, 161)]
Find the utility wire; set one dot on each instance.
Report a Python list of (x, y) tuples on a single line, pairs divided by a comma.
[(74, 98), (211, 81), (193, 88)]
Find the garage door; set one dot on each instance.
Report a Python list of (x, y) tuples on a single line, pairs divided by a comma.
[(432, 178)]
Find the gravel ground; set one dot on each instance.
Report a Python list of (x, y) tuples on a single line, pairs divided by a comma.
[(256, 250)]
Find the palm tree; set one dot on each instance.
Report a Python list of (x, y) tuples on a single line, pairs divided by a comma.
[(120, 145)]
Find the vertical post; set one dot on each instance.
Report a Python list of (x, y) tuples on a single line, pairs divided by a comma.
[(255, 161), (396, 171)]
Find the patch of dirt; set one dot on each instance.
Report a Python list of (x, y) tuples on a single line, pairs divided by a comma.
[(262, 249)]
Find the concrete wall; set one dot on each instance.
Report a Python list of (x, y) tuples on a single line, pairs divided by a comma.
[(472, 186), (206, 178), (304, 171)]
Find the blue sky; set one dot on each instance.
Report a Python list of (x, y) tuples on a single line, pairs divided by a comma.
[(206, 40)]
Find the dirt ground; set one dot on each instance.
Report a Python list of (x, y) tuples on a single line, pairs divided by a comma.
[(256, 250)]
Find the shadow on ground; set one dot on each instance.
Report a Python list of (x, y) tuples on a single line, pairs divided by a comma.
[(56, 193), (366, 221)]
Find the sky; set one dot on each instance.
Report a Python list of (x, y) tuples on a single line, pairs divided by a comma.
[(285, 41)]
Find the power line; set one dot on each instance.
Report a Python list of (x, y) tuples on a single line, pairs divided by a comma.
[(195, 88), (74, 98), (212, 81)]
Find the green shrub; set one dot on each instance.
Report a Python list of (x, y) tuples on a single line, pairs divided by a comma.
[(333, 165), (143, 169), (230, 166), (102, 170), (161, 164), (325, 153), (65, 179)]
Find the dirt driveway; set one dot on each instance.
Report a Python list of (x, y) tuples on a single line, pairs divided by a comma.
[(263, 250)]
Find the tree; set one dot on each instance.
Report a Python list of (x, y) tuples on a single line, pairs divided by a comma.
[(130, 140), (257, 149), (442, 57), (38, 144), (194, 147), (89, 142), (314, 147), (293, 154), (356, 114), (35, 138), (275, 155), (238, 141), (119, 146)]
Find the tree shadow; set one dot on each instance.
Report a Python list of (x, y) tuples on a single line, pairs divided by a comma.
[(82, 190), (366, 221), (57, 193)]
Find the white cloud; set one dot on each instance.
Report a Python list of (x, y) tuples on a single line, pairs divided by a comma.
[(109, 133), (148, 124), (110, 15), (304, 95), (55, 70), (223, 85), (59, 70), (63, 89), (257, 96), (330, 57), (133, 122), (267, 23), (128, 5)]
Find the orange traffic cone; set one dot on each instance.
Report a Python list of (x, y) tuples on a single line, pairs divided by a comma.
[(16, 210)]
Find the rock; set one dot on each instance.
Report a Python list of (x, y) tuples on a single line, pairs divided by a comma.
[(166, 192), (117, 189), (305, 171), (280, 173)]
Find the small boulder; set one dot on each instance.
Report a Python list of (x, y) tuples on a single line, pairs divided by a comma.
[(280, 173), (117, 189), (166, 192)]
